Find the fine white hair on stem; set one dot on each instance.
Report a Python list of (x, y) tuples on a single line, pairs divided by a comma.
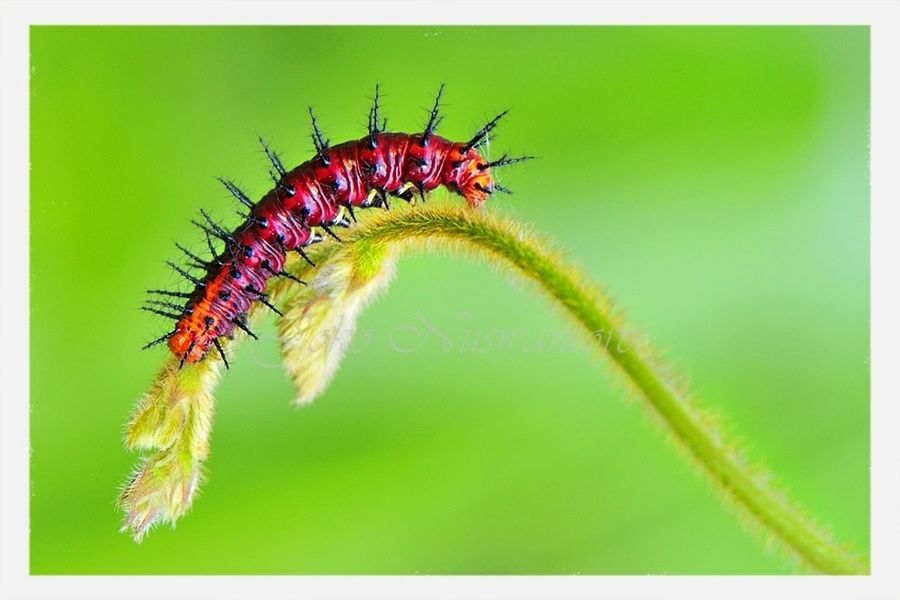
[(319, 322), (173, 422)]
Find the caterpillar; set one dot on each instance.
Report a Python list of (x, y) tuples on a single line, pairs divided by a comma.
[(319, 194)]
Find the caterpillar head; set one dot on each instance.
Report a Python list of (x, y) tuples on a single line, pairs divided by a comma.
[(469, 173)]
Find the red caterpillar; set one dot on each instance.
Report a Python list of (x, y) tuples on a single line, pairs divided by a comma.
[(356, 174)]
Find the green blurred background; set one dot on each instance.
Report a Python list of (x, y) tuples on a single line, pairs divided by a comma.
[(713, 179)]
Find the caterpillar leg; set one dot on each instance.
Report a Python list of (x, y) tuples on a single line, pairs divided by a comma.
[(407, 192), (341, 220), (377, 197)]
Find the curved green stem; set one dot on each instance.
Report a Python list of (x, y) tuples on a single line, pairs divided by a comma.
[(746, 486), (174, 418)]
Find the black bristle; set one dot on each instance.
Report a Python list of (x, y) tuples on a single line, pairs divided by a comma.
[(217, 229), (212, 248), (273, 157), (243, 327), (434, 118), (374, 115), (184, 273), (162, 313), (236, 192), (482, 133), (319, 140), (198, 262), (158, 340), (221, 352), (165, 304), (282, 273), (168, 293), (263, 298), (305, 257), (506, 160)]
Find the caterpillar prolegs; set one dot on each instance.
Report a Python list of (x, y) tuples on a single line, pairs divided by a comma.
[(319, 194)]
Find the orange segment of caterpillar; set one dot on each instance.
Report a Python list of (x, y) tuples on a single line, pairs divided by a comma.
[(339, 179)]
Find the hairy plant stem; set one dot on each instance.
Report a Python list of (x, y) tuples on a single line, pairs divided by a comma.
[(746, 486), (349, 274)]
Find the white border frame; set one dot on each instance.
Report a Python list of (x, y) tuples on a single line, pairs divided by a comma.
[(884, 20)]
